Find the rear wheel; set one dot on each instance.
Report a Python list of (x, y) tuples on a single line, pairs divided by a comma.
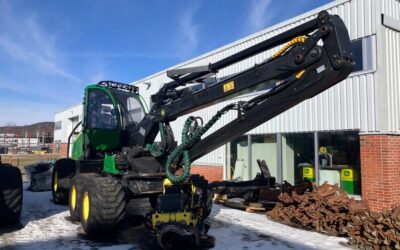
[(10, 194), (63, 171), (75, 194), (103, 205)]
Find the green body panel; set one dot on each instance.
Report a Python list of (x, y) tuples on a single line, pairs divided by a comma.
[(104, 140), (77, 147), (110, 166)]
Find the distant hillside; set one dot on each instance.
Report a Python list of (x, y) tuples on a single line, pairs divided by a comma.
[(31, 130)]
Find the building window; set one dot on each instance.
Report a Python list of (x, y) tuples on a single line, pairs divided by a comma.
[(336, 158), (58, 125), (238, 159), (243, 166), (339, 160), (364, 53), (298, 157), (264, 147)]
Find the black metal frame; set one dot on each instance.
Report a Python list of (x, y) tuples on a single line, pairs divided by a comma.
[(324, 66)]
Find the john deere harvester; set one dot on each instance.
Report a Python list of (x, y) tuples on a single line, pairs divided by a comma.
[(115, 157)]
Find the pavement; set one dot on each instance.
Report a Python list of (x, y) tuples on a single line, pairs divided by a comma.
[(47, 226)]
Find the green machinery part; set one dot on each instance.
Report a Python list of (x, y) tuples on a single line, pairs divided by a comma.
[(188, 141)]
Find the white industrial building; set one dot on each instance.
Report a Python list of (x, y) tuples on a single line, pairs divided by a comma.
[(65, 122), (367, 102)]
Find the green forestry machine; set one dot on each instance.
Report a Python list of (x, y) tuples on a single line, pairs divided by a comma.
[(10, 194), (115, 157)]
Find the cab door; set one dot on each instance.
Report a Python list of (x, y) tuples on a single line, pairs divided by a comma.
[(102, 120)]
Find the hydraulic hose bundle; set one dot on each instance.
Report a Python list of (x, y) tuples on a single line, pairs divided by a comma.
[(188, 140)]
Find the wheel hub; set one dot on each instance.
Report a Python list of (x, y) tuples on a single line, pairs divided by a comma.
[(85, 206), (55, 184), (73, 197)]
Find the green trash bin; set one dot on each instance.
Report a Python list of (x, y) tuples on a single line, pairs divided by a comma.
[(350, 180), (308, 173)]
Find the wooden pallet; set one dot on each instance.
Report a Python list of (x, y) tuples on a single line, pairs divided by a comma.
[(251, 208), (255, 208), (220, 198)]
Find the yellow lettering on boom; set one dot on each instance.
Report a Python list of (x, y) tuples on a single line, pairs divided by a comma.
[(229, 86)]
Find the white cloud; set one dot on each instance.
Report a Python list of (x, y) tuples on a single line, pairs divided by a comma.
[(23, 40), (258, 16), (35, 81), (188, 30)]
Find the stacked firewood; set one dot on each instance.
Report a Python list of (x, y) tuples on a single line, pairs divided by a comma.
[(324, 209), (328, 209), (368, 230)]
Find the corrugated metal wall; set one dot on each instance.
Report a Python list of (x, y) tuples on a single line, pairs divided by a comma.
[(61, 135), (348, 105), (392, 65)]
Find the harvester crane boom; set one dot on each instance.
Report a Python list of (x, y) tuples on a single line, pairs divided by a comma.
[(299, 71)]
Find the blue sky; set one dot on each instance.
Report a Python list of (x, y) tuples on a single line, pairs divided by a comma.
[(49, 50)]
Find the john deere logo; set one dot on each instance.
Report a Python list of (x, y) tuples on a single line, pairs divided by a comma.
[(347, 175), (308, 172), (162, 112)]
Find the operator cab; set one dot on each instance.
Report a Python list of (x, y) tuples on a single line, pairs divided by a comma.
[(112, 110)]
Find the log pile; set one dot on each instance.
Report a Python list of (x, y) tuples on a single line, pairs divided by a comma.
[(327, 209), (324, 209), (368, 230)]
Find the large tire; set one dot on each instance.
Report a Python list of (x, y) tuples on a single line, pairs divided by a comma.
[(63, 171), (10, 194), (103, 205), (75, 194)]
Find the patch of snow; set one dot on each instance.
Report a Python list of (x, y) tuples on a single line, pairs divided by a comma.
[(235, 229), (46, 226)]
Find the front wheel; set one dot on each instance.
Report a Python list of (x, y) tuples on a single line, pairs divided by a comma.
[(75, 194), (103, 205)]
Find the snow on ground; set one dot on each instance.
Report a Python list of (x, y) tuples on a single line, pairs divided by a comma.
[(47, 226)]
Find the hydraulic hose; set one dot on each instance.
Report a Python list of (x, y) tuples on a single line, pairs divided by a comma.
[(294, 41), (188, 140)]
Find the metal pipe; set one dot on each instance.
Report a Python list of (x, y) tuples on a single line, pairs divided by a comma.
[(70, 136), (316, 158)]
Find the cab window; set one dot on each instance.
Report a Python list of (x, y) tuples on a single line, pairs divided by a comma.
[(101, 111), (134, 109)]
